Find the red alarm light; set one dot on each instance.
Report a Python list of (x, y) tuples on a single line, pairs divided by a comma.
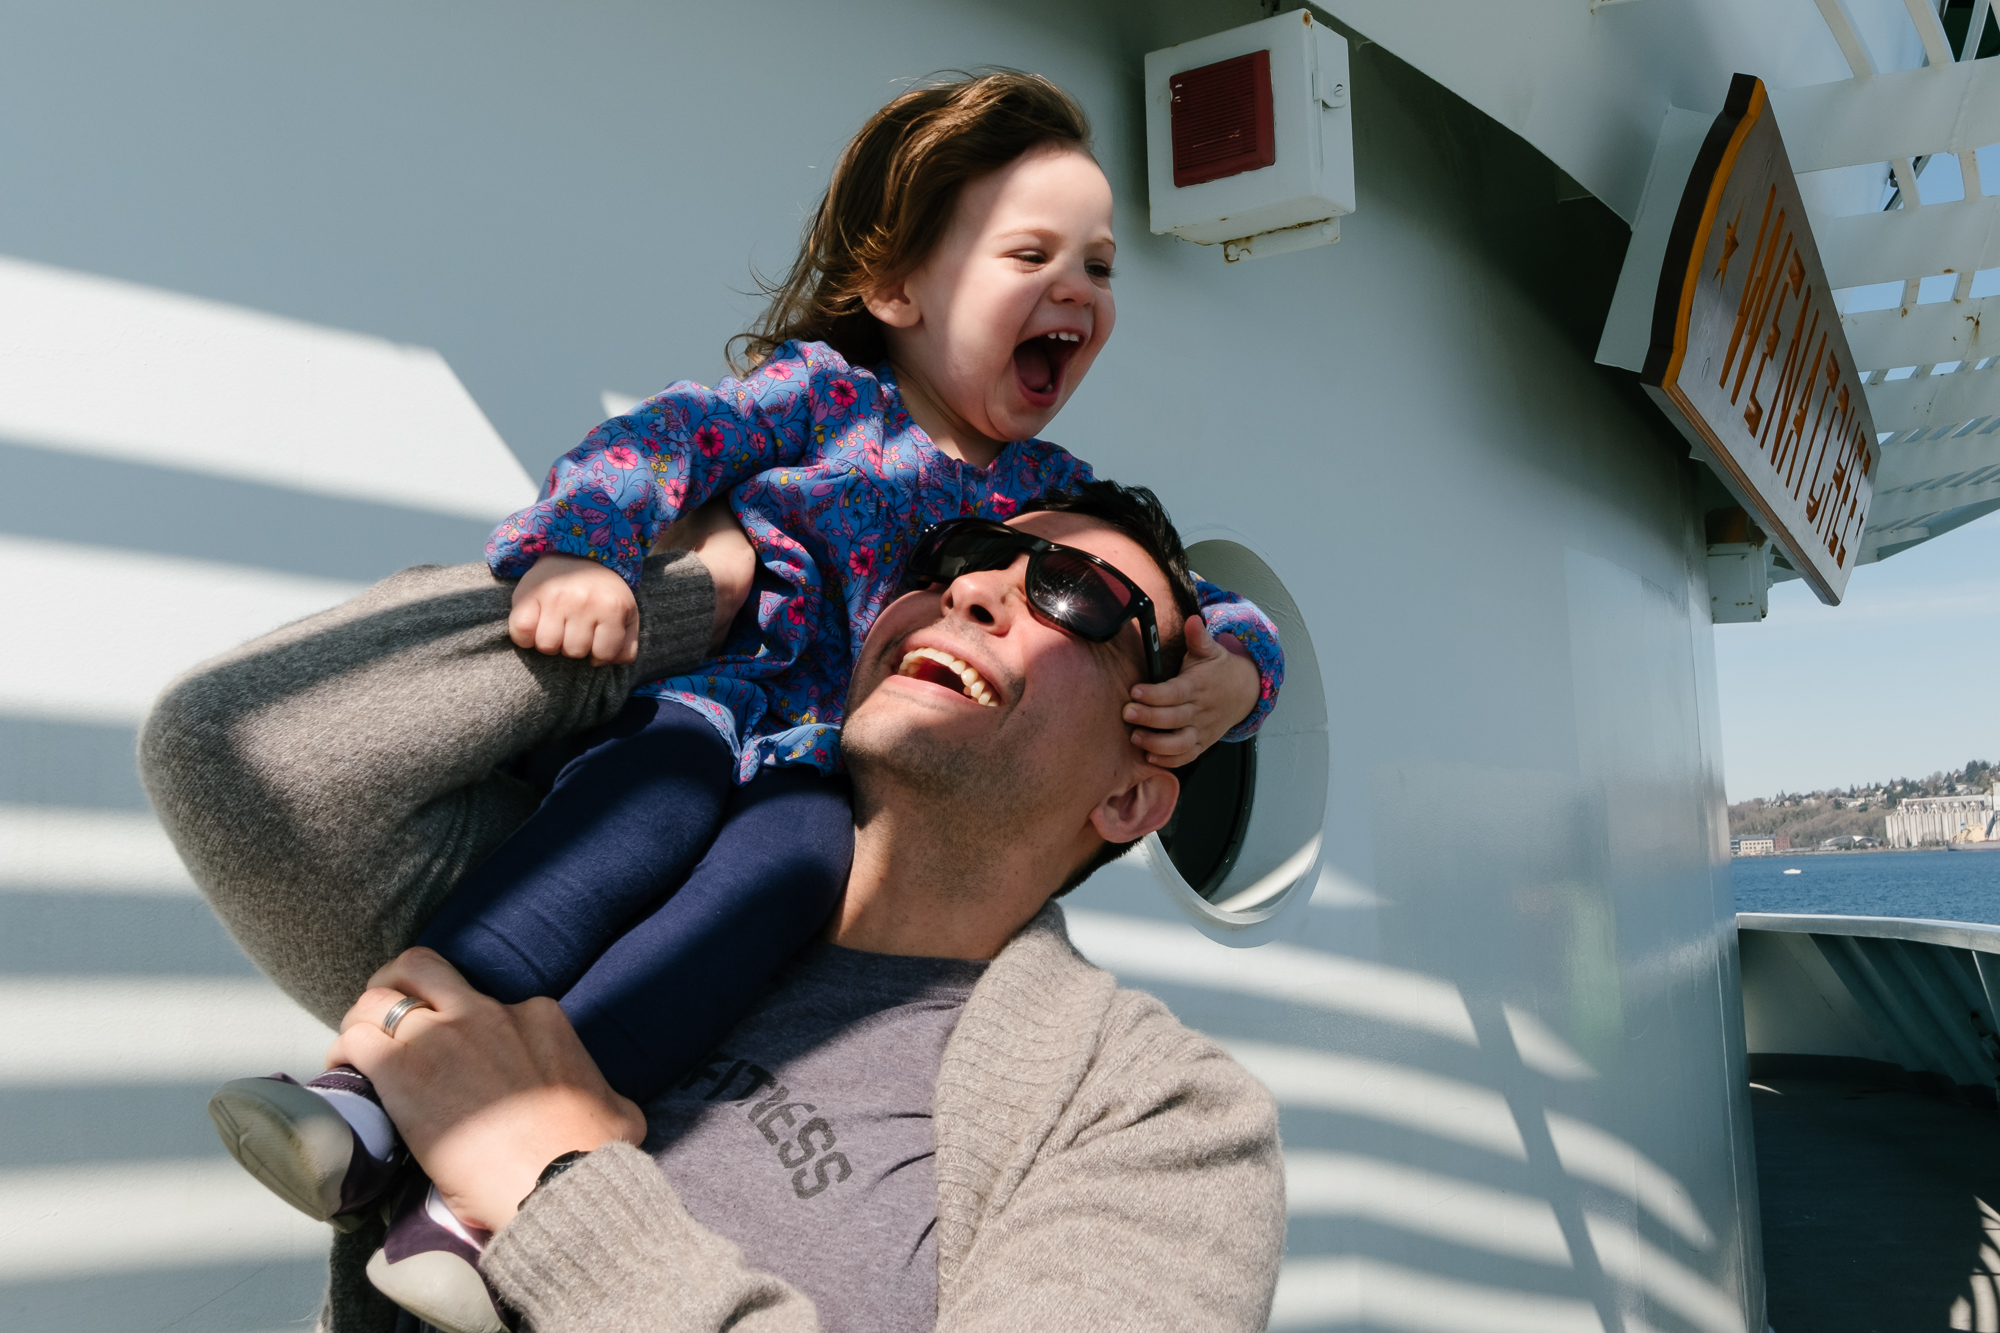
[(1222, 119)]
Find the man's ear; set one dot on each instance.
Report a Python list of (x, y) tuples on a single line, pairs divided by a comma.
[(1139, 808), (894, 305)]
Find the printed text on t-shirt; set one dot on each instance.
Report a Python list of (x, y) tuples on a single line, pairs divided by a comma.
[(805, 1145)]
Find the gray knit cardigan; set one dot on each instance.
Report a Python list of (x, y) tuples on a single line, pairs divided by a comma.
[(1099, 1166)]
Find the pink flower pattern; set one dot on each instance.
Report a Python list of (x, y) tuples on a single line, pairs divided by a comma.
[(832, 482)]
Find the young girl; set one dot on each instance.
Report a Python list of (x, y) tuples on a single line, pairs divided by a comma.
[(952, 291)]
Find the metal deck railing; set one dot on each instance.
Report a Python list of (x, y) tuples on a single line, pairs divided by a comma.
[(1914, 993)]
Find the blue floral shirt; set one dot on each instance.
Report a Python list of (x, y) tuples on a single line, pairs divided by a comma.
[(833, 483)]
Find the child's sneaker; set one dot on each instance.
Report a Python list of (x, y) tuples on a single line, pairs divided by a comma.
[(429, 1265), (302, 1142)]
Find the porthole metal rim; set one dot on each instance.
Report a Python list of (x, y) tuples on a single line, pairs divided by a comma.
[(1161, 864)]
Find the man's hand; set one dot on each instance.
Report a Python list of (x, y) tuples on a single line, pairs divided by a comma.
[(712, 535), (1179, 718), (485, 1094), (575, 607)]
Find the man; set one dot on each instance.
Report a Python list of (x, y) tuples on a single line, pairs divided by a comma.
[(1088, 1164)]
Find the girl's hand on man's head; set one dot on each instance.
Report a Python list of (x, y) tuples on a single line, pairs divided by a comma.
[(1178, 719), (572, 607)]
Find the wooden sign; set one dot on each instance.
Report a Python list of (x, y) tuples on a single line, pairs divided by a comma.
[(1748, 353)]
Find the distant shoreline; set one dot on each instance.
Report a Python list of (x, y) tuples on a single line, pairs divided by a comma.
[(1832, 851)]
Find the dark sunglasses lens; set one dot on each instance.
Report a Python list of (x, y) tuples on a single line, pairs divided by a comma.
[(1080, 595), (968, 551)]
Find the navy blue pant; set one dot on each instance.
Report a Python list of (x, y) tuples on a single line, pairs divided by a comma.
[(650, 895)]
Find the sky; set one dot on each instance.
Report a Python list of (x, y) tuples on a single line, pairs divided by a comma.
[(1897, 681)]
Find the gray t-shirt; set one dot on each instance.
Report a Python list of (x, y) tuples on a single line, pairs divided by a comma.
[(806, 1138)]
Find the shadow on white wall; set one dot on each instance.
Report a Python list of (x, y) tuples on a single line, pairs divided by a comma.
[(181, 476), (1436, 1153)]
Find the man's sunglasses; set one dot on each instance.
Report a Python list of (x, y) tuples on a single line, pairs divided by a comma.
[(1070, 589)]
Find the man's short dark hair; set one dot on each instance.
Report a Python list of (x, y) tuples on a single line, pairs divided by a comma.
[(1137, 513)]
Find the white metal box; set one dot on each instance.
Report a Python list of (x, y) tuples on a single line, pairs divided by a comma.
[(1739, 583), (1296, 201)]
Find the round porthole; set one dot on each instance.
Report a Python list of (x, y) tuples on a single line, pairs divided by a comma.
[(1205, 835), (1246, 832)]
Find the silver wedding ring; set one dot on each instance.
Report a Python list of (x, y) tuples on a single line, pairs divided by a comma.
[(399, 1010)]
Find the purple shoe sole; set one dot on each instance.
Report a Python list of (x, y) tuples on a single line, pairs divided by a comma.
[(433, 1272), (294, 1142)]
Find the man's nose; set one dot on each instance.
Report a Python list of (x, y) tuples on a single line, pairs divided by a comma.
[(989, 597)]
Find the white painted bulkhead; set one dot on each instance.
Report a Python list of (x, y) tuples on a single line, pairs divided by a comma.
[(1500, 1017)]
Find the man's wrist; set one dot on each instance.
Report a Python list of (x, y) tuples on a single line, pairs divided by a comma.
[(556, 1167)]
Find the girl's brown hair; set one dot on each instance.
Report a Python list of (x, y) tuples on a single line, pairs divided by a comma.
[(891, 197)]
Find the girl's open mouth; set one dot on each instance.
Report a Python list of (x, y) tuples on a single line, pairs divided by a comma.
[(1039, 363)]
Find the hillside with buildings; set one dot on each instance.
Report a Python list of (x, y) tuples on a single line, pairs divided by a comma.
[(1806, 820)]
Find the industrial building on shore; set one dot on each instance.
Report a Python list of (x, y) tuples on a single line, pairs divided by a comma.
[(1946, 819)]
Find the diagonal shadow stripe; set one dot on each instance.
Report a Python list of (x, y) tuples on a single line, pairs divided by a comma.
[(256, 1296), (129, 506), (1547, 1168), (58, 934), (105, 1122), (87, 765)]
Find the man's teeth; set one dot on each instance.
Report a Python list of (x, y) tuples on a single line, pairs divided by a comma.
[(975, 685), (1065, 337)]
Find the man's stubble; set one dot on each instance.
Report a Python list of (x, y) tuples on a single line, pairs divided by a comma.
[(958, 803)]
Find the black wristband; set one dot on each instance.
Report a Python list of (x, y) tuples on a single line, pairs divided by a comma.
[(552, 1170)]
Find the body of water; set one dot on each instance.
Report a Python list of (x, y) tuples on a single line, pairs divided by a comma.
[(1941, 886)]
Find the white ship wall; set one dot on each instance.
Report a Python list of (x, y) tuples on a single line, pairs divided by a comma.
[(332, 259)]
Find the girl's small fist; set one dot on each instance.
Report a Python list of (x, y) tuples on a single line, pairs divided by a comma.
[(572, 607)]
